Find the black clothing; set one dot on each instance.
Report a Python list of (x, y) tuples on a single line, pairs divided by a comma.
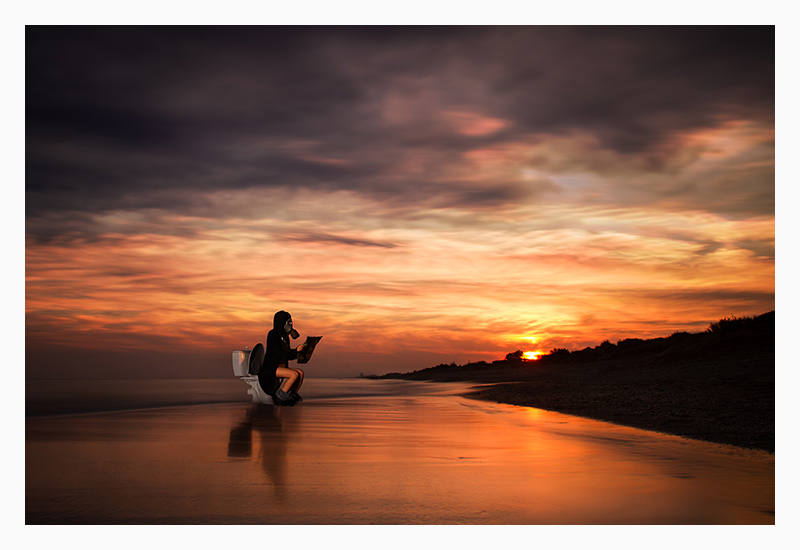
[(279, 352)]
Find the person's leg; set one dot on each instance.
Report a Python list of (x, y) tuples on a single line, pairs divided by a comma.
[(290, 375), (299, 382)]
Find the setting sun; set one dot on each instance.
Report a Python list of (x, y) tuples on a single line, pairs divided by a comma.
[(531, 355)]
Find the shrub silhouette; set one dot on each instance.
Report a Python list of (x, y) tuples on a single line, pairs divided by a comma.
[(731, 324), (555, 354)]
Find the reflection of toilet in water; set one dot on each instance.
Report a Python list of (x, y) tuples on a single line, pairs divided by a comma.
[(246, 364)]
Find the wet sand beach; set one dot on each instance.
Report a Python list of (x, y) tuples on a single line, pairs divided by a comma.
[(380, 452)]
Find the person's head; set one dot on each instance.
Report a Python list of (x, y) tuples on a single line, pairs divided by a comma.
[(282, 322)]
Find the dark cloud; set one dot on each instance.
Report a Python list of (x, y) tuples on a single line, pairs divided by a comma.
[(633, 85), (337, 239), (760, 248), (120, 117), (735, 300)]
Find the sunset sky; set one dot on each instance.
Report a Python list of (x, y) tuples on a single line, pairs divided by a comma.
[(416, 195)]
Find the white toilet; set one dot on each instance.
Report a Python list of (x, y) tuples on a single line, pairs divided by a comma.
[(245, 362)]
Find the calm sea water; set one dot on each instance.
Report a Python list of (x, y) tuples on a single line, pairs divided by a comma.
[(363, 452)]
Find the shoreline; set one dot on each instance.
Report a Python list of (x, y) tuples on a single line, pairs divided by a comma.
[(711, 387), (750, 426), (716, 386)]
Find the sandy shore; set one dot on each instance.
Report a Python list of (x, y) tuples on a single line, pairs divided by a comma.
[(723, 417)]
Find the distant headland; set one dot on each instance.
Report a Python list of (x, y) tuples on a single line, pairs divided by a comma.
[(717, 385)]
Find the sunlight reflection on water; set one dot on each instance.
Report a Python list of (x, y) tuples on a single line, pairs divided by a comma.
[(385, 452)]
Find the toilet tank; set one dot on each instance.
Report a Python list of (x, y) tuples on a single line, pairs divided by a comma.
[(241, 362)]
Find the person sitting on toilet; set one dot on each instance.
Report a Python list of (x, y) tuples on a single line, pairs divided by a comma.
[(276, 362)]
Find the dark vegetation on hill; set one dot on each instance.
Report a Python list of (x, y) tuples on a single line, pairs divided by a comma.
[(718, 385)]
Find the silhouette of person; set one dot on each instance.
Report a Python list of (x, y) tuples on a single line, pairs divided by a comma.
[(276, 362)]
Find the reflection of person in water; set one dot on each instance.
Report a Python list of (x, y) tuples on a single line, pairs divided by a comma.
[(267, 423), (276, 362)]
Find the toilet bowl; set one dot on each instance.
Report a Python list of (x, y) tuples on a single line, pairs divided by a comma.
[(246, 363)]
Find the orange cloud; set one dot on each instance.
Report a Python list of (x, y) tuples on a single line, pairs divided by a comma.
[(391, 292)]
